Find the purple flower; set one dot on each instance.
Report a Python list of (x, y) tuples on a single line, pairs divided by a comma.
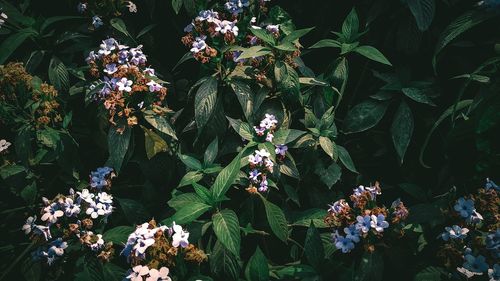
[(343, 243), (153, 86), (352, 233), (235, 7), (379, 222), (475, 264), (454, 232), (199, 44), (363, 223), (254, 174), (281, 149), (111, 68), (465, 207), (97, 22), (263, 185), (338, 206)]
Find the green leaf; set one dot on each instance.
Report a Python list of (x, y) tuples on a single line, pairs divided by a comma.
[(205, 101), (460, 25), (285, 136), (223, 264), (10, 170), (346, 159), (184, 199), (154, 144), (286, 77), (93, 267), (117, 147), (313, 246), (203, 193), (350, 26), (459, 106), (226, 178), (161, 124), (292, 194), (190, 178), (370, 268), (29, 193), (119, 25), (257, 268), (227, 230), (364, 116), (331, 175), (414, 190), (211, 152), (177, 5), (402, 129), (245, 97), (188, 213), (253, 52), (423, 11), (276, 219), (134, 211), (118, 235), (430, 273), (145, 30), (58, 74), (417, 95), (190, 162), (11, 43), (329, 147), (288, 167), (296, 34), (326, 43), (243, 129), (263, 35), (297, 272), (372, 53), (56, 19)]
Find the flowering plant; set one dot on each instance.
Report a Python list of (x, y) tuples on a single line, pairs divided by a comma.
[(72, 220), (472, 242), (365, 221)]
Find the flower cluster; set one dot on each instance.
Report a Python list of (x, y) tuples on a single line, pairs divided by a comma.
[(472, 243), (364, 221), (96, 9), (229, 31), (45, 109), (265, 131), (127, 86), (70, 219), (152, 249), (260, 165)]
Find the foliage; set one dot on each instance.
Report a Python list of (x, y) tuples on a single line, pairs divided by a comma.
[(228, 139)]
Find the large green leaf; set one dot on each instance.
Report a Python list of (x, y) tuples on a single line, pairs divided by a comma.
[(296, 34), (153, 143), (227, 230), (205, 102), (276, 219), (264, 35), (188, 213), (329, 147), (243, 129), (11, 43), (211, 152), (460, 25), (402, 129), (161, 124), (350, 26), (423, 11), (134, 211), (119, 25), (326, 43), (417, 95), (370, 268), (226, 178), (372, 53), (58, 74), (245, 97), (257, 268), (330, 175), (181, 200), (118, 144), (118, 235), (346, 159), (224, 264), (313, 246), (285, 136), (286, 77), (364, 116)]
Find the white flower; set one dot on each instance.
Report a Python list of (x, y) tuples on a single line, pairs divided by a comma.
[(3, 17), (269, 165), (131, 7), (180, 236), (29, 224), (86, 196), (142, 245), (70, 208), (263, 153), (124, 85), (137, 272), (4, 145), (42, 230), (162, 274), (199, 44), (273, 28), (105, 198), (226, 26), (52, 213)]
